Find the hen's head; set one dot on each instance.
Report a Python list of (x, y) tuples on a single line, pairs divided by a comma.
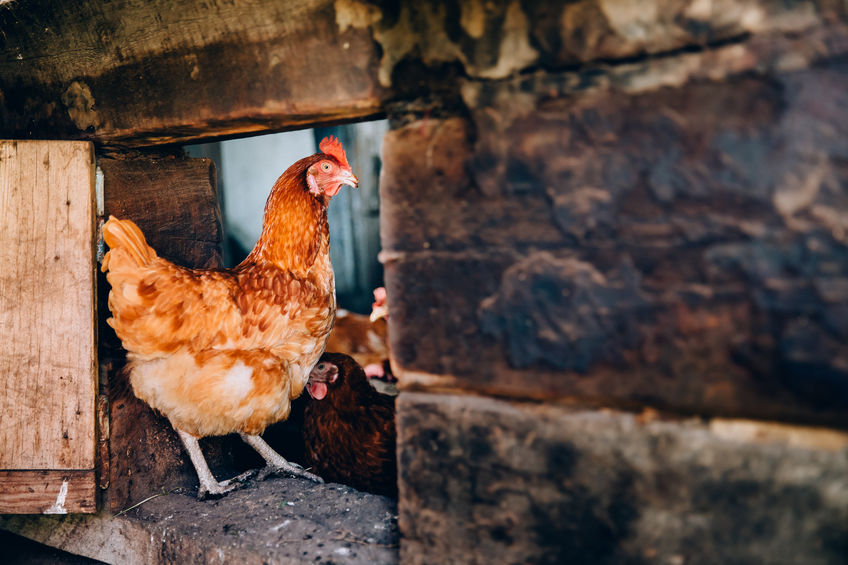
[(335, 376), (330, 171)]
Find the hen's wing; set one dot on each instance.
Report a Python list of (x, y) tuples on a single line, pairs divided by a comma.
[(159, 308)]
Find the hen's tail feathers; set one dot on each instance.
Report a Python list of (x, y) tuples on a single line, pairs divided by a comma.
[(125, 237)]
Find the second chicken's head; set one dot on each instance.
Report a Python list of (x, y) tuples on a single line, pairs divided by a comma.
[(335, 377), (328, 174), (322, 375)]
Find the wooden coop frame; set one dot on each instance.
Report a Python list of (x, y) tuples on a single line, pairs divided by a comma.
[(529, 148)]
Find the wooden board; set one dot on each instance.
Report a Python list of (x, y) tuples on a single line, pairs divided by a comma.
[(167, 71), (47, 492), (154, 72), (48, 355), (172, 199)]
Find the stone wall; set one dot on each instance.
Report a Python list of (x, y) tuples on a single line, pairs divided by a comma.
[(661, 235)]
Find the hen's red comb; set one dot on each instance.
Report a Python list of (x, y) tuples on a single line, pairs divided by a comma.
[(332, 146)]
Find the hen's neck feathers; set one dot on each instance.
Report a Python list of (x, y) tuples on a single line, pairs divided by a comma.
[(295, 232)]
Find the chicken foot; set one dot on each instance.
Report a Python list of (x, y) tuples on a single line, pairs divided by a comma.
[(275, 463), (208, 484)]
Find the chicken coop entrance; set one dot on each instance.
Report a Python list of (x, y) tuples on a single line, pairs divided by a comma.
[(248, 167), (145, 473)]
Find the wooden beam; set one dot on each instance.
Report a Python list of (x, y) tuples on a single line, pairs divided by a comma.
[(145, 73), (158, 72)]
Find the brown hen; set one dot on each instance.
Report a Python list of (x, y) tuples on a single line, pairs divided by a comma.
[(349, 428), (223, 351)]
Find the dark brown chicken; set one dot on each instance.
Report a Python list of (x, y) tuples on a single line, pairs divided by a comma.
[(349, 428)]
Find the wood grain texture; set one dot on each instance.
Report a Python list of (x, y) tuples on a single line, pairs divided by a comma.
[(158, 72), (48, 355), (47, 492), (174, 200)]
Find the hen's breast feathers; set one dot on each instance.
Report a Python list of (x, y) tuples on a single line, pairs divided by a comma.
[(160, 308)]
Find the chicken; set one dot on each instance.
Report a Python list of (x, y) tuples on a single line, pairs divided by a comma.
[(379, 317), (365, 338), (223, 351), (349, 428)]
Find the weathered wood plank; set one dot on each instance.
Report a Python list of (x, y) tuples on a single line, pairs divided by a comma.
[(174, 200), (158, 72), (48, 355), (487, 481), (682, 246), (47, 492)]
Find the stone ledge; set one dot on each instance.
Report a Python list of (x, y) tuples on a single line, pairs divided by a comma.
[(280, 520), (511, 482)]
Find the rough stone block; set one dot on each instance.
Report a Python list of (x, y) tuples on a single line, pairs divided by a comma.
[(510, 482), (682, 246)]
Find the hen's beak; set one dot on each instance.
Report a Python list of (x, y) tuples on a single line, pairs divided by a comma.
[(347, 178), (341, 179)]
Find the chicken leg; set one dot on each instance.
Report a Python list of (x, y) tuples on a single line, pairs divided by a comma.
[(275, 463), (208, 484)]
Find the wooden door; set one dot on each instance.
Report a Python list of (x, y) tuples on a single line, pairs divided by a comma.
[(47, 316)]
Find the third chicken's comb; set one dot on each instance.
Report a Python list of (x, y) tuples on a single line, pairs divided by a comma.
[(332, 146)]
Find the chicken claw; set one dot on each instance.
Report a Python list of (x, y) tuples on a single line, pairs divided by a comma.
[(208, 485), (275, 463)]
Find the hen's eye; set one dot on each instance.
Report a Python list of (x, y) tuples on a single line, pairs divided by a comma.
[(325, 166)]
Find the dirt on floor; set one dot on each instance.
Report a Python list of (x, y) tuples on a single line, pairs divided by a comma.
[(278, 520), (275, 521)]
